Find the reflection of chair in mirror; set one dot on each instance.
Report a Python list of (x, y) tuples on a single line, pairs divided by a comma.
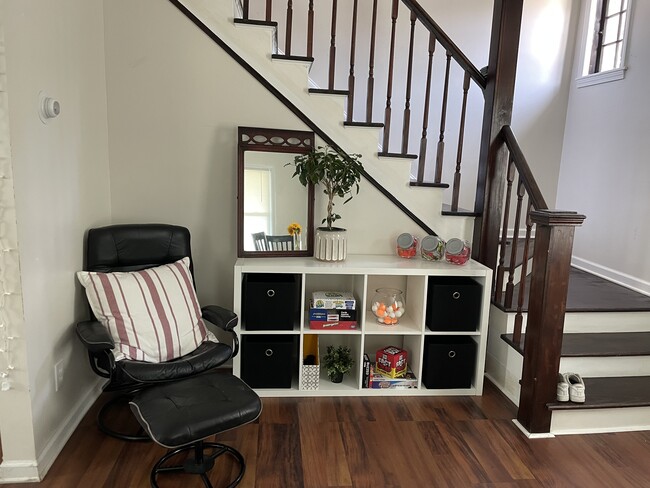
[(259, 238), (280, 243)]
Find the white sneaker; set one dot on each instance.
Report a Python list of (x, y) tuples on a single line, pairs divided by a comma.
[(562, 388), (576, 388)]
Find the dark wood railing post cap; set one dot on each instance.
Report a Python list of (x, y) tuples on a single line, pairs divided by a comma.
[(556, 217)]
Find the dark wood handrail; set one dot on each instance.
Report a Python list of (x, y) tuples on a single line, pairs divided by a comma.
[(534, 193), (446, 42)]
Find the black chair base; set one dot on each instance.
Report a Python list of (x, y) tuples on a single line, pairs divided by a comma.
[(200, 464), (110, 405)]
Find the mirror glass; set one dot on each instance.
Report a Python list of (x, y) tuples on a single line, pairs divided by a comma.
[(275, 212)]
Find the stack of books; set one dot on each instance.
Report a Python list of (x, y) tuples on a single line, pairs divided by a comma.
[(332, 310), (373, 378)]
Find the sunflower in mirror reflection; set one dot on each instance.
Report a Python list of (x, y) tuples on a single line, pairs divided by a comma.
[(294, 229)]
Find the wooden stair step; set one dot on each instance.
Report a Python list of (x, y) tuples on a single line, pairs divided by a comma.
[(264, 23), (446, 209), (607, 344), (287, 57), (364, 124), (327, 91), (618, 392), (591, 293), (397, 155)]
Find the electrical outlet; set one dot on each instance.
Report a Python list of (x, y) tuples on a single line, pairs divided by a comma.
[(58, 375)]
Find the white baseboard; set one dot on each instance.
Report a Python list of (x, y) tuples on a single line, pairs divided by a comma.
[(24, 471), (30, 470), (58, 440), (626, 280), (529, 435)]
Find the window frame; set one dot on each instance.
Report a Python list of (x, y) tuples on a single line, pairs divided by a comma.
[(593, 44)]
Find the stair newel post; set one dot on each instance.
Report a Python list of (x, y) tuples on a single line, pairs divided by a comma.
[(371, 64), (461, 139), (353, 47), (425, 117), (493, 158), (333, 45), (269, 7), (554, 233), (498, 287), (409, 76), (287, 38), (389, 89), (519, 317), (310, 29), (443, 119)]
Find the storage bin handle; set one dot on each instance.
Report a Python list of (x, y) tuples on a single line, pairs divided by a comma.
[(269, 353), (455, 295), (452, 354), (270, 293)]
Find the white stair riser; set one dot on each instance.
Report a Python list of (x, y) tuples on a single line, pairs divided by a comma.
[(593, 322), (591, 367), (600, 420)]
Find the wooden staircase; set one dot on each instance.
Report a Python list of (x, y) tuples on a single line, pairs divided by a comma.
[(504, 183), (607, 341)]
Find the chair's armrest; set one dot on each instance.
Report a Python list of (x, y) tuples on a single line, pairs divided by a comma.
[(221, 317), (95, 336)]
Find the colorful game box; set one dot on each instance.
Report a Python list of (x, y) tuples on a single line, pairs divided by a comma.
[(391, 361), (334, 299)]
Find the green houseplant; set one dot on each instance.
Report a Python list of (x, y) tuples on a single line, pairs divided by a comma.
[(339, 176), (338, 361)]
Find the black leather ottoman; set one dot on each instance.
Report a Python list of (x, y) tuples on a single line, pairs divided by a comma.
[(181, 414)]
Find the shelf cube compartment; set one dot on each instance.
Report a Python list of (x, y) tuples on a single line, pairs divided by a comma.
[(269, 361), (449, 362), (453, 304), (270, 301)]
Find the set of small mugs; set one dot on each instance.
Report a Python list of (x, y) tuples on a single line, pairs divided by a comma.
[(433, 248)]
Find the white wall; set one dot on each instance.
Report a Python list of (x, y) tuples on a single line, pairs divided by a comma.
[(62, 189), (605, 172)]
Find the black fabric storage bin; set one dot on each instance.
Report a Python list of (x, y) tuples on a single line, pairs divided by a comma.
[(453, 303), (269, 361), (270, 301), (449, 362)]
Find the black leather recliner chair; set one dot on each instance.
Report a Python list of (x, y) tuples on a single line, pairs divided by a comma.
[(133, 247)]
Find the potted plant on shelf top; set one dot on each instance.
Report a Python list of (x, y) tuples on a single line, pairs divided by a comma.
[(338, 175), (337, 361)]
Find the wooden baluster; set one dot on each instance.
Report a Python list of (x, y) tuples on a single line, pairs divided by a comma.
[(371, 64), (459, 153), (310, 29), (407, 104), (245, 9), (422, 158), (498, 291), (443, 117), (287, 39), (268, 9), (519, 317), (521, 191), (352, 52), (389, 89), (333, 45)]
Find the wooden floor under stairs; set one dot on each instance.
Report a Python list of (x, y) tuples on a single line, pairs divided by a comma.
[(589, 293)]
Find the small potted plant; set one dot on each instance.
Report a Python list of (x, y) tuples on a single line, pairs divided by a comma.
[(338, 361), (339, 176)]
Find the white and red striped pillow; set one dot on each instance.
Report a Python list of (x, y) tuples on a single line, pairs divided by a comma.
[(153, 315)]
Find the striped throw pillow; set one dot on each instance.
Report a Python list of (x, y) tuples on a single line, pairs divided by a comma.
[(153, 315)]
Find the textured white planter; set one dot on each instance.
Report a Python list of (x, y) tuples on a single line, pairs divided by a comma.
[(331, 245)]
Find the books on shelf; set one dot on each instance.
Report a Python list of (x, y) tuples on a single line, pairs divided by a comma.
[(376, 380), (332, 310)]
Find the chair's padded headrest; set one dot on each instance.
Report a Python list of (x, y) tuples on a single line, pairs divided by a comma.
[(131, 247)]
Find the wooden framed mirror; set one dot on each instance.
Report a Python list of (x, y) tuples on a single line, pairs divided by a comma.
[(269, 199)]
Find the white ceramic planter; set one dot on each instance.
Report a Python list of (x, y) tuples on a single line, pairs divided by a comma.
[(331, 245)]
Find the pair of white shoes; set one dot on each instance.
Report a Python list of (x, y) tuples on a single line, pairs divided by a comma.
[(570, 387)]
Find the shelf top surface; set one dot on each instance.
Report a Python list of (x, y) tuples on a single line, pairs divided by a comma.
[(361, 264)]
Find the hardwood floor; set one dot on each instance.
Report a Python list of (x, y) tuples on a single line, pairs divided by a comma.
[(407, 442)]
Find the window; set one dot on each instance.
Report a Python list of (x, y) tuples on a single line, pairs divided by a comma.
[(257, 204), (605, 42)]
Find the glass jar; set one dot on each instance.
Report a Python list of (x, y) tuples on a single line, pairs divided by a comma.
[(432, 248), (388, 305), (457, 251), (407, 245)]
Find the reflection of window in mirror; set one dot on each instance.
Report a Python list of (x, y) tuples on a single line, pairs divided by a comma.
[(258, 207)]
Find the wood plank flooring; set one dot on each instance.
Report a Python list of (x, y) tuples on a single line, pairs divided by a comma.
[(400, 442)]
